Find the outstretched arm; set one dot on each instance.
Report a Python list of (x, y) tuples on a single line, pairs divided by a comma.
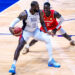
[(60, 18), (21, 16), (43, 23)]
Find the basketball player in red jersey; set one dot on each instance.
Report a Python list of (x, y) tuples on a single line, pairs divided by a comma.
[(50, 19)]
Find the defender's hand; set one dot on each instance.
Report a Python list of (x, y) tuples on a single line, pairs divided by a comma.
[(49, 32), (53, 32)]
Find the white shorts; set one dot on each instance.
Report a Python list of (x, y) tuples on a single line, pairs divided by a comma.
[(37, 34)]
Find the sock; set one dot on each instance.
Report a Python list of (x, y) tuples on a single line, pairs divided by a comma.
[(27, 46), (14, 62), (50, 59)]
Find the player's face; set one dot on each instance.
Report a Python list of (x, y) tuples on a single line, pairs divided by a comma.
[(46, 8), (36, 8)]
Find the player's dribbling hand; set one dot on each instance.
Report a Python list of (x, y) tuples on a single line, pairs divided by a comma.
[(53, 32), (11, 30), (16, 31), (49, 32)]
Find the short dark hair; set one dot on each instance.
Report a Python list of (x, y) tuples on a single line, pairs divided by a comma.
[(47, 3), (33, 3)]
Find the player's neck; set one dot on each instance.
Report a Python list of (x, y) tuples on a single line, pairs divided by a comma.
[(48, 13)]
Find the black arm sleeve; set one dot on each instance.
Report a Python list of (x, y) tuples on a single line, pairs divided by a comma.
[(42, 21), (56, 14), (44, 26)]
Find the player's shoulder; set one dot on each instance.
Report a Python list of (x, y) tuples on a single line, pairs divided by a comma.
[(57, 14), (23, 13), (41, 12)]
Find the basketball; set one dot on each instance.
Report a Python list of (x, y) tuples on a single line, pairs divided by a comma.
[(17, 30)]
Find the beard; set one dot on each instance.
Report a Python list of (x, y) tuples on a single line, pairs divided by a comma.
[(36, 10)]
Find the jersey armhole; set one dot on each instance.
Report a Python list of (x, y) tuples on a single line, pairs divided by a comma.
[(57, 14), (24, 23), (26, 13)]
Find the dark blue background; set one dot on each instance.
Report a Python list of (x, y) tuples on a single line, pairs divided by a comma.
[(6, 3)]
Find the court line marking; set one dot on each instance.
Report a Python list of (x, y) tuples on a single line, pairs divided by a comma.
[(55, 35)]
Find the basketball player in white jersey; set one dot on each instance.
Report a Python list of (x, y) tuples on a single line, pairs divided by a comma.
[(30, 29), (59, 28)]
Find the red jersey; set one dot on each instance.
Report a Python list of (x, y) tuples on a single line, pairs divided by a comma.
[(50, 21)]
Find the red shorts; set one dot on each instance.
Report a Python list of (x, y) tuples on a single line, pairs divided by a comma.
[(48, 28)]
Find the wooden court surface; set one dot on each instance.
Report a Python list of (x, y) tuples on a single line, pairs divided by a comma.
[(35, 62)]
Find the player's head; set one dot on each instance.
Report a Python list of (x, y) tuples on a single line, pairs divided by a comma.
[(46, 6), (35, 6)]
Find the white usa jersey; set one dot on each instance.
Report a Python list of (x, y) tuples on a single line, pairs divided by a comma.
[(31, 21)]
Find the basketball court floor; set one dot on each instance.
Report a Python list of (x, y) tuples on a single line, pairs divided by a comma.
[(35, 62)]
